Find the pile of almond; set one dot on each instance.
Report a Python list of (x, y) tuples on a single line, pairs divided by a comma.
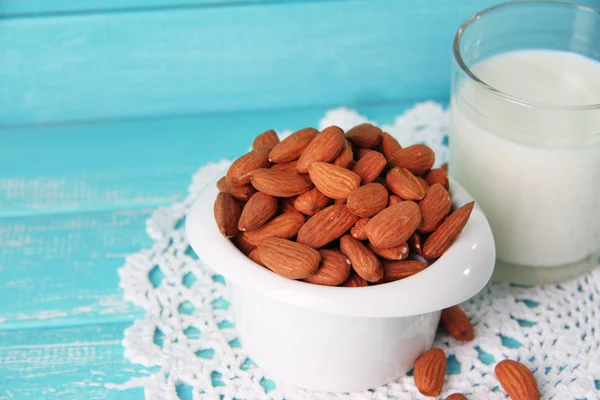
[(335, 208)]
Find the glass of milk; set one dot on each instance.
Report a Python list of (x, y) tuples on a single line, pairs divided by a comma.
[(525, 136)]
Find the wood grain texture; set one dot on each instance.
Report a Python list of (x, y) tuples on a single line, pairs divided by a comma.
[(81, 362), (207, 59)]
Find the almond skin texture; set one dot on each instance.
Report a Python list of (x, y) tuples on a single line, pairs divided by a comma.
[(435, 206), (394, 225), (325, 147), (290, 148), (365, 135), (285, 167), (278, 183), (362, 151), (369, 167), (346, 158), (417, 158), (456, 396), (355, 281), (416, 243), (364, 261), (266, 140), (394, 200), (227, 213), (430, 371), (240, 168), (389, 145), (254, 256), (391, 253), (358, 231), (333, 181), (333, 270), (438, 175), (326, 226), (396, 270), (243, 244), (423, 183), (368, 200), (283, 226), (458, 324), (311, 202), (517, 380), (242, 193), (404, 184), (257, 211), (289, 259), (447, 233)]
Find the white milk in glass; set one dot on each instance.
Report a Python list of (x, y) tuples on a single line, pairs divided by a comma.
[(536, 174)]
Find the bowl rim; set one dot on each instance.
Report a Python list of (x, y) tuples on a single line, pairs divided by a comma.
[(458, 275)]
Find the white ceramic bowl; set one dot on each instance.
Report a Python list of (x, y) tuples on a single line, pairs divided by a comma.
[(340, 339)]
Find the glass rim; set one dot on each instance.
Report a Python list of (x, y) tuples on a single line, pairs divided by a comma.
[(514, 99)]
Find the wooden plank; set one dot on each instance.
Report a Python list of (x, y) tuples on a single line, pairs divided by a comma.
[(73, 363), (129, 164), (61, 269), (207, 59), (37, 8)]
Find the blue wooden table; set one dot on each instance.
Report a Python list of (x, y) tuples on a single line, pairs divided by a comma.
[(107, 108)]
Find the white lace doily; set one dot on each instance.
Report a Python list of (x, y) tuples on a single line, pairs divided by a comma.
[(188, 334)]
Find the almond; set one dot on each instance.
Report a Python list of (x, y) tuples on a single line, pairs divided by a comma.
[(227, 214), (365, 135), (430, 371), (243, 244), (391, 253), (325, 147), (257, 211), (394, 225), (333, 181), (290, 148), (289, 259), (458, 324), (423, 183), (517, 380), (369, 167), (404, 184), (285, 167), (266, 140), (456, 396), (358, 231), (444, 236), (435, 206), (389, 145), (438, 175), (240, 168), (278, 183), (364, 261), (355, 281), (394, 200), (346, 158), (396, 270), (417, 158), (415, 242), (326, 226), (368, 200), (333, 270), (362, 151), (286, 205), (242, 193), (283, 226), (444, 167), (311, 202), (254, 256)]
